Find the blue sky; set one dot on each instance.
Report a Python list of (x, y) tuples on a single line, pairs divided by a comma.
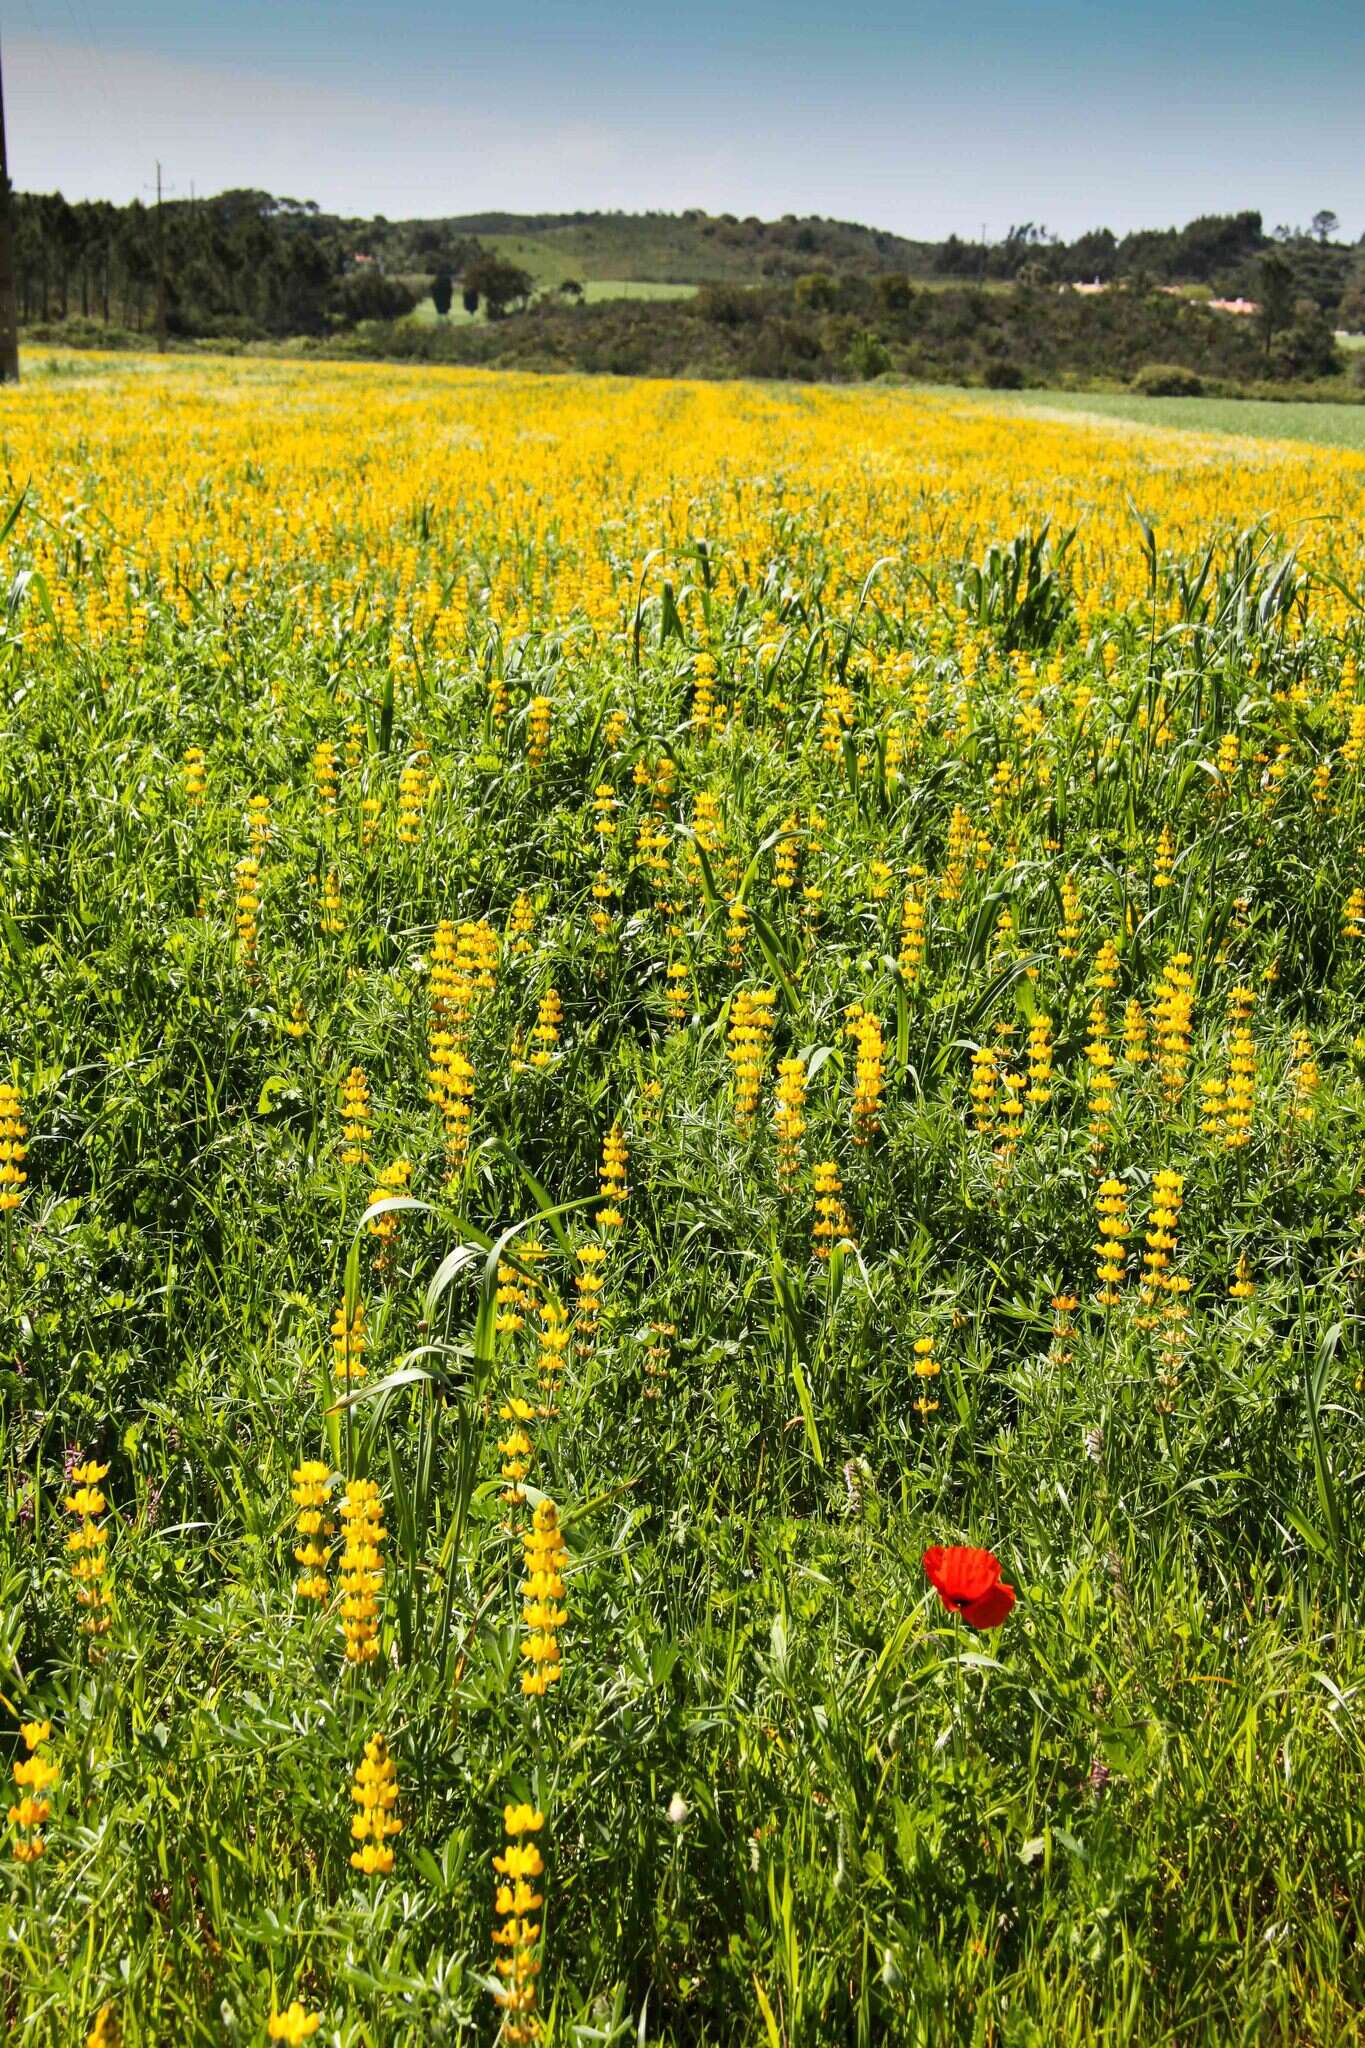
[(923, 118)]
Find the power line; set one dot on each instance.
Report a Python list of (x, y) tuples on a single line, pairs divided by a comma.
[(94, 55)]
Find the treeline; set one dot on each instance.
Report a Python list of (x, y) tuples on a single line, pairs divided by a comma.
[(1219, 251), (243, 264), (797, 297), (850, 328), (1223, 251)]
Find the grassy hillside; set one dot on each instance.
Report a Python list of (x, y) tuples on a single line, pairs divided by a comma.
[(638, 270), (690, 248)]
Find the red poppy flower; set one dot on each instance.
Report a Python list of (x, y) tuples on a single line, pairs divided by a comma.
[(968, 1583)]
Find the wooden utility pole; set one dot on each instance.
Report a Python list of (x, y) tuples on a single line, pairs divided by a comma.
[(160, 268), (9, 311)]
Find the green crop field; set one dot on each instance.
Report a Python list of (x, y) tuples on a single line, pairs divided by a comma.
[(554, 255), (1328, 424), (682, 1244), (594, 291)]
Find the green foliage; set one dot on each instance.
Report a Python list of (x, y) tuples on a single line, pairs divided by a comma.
[(868, 355), (817, 292), (245, 264), (368, 295), (1018, 591), (959, 334), (1168, 380), (498, 283)]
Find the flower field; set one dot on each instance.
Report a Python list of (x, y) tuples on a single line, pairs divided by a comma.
[(682, 1080)]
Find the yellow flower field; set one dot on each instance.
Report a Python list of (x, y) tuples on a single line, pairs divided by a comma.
[(682, 1082), (310, 486)]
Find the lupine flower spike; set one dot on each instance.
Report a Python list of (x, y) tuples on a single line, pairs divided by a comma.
[(831, 1218), (362, 1569), (516, 1935), (13, 1147), (88, 1546), (542, 1596), (313, 1527), (34, 1777), (375, 1821)]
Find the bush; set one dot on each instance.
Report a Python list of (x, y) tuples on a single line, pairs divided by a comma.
[(729, 305), (894, 291), (1004, 376), (1168, 380), (868, 356), (369, 295), (818, 292)]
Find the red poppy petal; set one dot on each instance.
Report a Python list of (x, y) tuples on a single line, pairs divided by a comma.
[(960, 1573), (990, 1610)]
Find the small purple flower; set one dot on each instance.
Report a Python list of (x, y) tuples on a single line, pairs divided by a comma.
[(71, 1458)]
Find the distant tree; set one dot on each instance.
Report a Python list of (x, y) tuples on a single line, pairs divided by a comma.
[(297, 282), (1213, 244), (442, 293), (469, 299), (1325, 224), (1092, 255), (1307, 348), (570, 288), (894, 291), (136, 259), (817, 292), (366, 295), (868, 355), (1276, 285), (1351, 311), (728, 305), (62, 235), (501, 285)]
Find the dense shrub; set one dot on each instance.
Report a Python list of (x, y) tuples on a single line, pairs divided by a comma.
[(368, 295), (818, 292), (1168, 380), (728, 305), (963, 334), (868, 355)]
